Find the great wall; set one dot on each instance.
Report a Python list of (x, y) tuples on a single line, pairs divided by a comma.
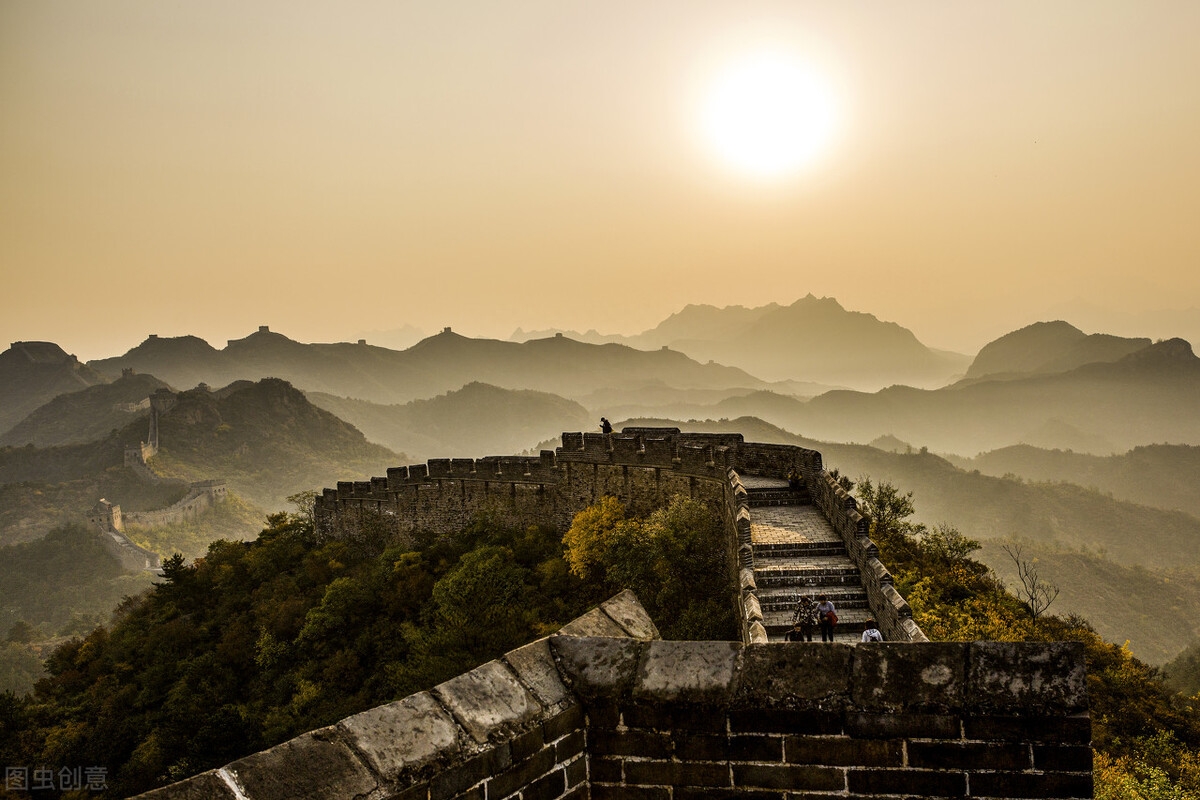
[(606, 709), (108, 519)]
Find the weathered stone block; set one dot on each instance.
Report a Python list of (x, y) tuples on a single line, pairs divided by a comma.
[(314, 765), (593, 623), (627, 612), (534, 665), (205, 786), (687, 672), (756, 748), (786, 776), (714, 793), (403, 735), (909, 677), (604, 791), (968, 755), (576, 772), (488, 701), (843, 752), (771, 720), (643, 744), (928, 783), (606, 770), (676, 773), (522, 774), (1027, 677), (751, 608), (670, 716), (546, 787), (570, 719), (1062, 758), (701, 747), (570, 746), (746, 579), (785, 675), (456, 779), (1026, 784), (1072, 730), (597, 668), (901, 726)]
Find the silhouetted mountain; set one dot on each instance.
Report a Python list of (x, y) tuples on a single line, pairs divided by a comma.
[(477, 420), (1045, 347), (266, 440), (705, 323), (1148, 396), (33, 373), (813, 340), (178, 360), (86, 415), (816, 339), (434, 366), (1159, 475)]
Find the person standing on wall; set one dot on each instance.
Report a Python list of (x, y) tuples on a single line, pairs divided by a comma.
[(826, 616), (805, 616), (605, 426), (871, 632)]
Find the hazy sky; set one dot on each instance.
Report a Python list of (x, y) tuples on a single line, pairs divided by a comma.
[(331, 168)]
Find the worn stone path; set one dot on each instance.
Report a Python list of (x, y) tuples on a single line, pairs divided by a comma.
[(797, 552)]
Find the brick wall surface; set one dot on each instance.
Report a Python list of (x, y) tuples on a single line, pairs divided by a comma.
[(605, 709)]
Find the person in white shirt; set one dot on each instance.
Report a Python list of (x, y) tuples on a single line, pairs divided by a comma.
[(826, 617), (871, 633)]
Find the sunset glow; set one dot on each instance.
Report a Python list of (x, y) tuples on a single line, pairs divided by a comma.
[(768, 116)]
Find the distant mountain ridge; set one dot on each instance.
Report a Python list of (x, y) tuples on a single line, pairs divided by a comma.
[(813, 339), (33, 373), (1047, 347), (436, 365), (85, 415), (477, 420), (266, 440)]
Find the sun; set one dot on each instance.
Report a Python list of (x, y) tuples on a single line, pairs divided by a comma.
[(768, 115)]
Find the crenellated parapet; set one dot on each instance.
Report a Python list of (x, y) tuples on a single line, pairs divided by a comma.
[(643, 468), (606, 709)]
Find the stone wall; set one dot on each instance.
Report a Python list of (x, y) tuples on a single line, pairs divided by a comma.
[(891, 611), (719, 719), (201, 496), (606, 710), (643, 468)]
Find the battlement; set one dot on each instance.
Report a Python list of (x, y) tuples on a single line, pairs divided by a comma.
[(605, 709), (643, 468)]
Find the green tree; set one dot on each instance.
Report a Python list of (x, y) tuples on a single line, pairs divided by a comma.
[(675, 560)]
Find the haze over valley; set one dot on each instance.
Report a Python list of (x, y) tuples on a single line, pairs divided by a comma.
[(1082, 446)]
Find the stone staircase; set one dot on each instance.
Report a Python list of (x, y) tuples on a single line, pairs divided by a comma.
[(797, 552)]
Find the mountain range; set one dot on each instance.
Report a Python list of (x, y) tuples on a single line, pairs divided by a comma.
[(291, 416), (813, 339), (477, 420), (33, 373), (436, 365)]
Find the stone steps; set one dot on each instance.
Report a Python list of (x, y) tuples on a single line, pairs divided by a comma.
[(799, 549), (807, 574), (796, 552), (785, 598), (777, 497)]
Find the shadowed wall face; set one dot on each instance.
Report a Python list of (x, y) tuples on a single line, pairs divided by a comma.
[(594, 713)]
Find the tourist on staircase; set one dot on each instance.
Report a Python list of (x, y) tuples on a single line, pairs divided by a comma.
[(827, 616)]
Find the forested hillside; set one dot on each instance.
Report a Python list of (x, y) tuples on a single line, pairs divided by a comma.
[(254, 644)]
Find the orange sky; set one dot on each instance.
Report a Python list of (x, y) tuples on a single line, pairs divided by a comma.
[(334, 168)]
